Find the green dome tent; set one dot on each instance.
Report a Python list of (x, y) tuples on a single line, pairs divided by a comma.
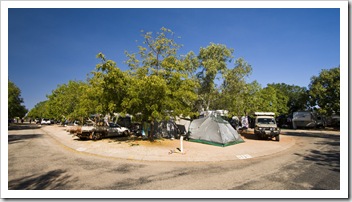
[(213, 130)]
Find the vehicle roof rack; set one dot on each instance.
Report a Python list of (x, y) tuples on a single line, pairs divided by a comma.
[(264, 113)]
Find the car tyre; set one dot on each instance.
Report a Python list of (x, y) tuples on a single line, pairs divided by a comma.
[(96, 136), (277, 138)]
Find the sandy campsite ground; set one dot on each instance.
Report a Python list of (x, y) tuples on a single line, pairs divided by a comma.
[(169, 150)]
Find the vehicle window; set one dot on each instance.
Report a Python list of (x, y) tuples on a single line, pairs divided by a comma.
[(266, 121), (114, 125)]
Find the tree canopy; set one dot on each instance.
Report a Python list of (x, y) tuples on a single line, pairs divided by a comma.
[(292, 98), (213, 61), (63, 102), (161, 83), (325, 91), (40, 110), (15, 102)]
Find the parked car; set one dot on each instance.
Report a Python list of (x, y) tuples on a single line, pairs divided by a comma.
[(45, 122), (101, 130)]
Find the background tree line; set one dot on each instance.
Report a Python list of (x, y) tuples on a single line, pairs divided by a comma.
[(16, 109), (161, 83)]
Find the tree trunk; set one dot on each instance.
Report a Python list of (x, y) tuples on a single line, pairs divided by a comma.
[(151, 134)]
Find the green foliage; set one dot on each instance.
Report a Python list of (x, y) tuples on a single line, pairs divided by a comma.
[(155, 52), (88, 101), (213, 61), (147, 96), (251, 99), (39, 111), (325, 91), (235, 91), (108, 87), (63, 102), (15, 107), (268, 99), (161, 84), (292, 98)]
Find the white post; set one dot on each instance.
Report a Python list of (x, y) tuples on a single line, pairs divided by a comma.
[(181, 142)]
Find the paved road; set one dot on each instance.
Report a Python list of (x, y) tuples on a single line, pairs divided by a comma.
[(37, 161)]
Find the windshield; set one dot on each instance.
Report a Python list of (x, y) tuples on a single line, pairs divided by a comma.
[(266, 121), (114, 125)]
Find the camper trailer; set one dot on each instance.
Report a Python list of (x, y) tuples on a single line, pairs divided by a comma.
[(304, 119)]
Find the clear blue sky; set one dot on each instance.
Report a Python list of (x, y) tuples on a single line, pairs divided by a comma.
[(48, 47)]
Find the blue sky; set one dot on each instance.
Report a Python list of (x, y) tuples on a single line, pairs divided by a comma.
[(48, 47)]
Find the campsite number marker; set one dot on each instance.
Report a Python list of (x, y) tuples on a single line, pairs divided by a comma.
[(81, 149), (244, 156)]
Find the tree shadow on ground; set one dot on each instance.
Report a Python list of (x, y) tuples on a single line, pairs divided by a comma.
[(114, 139), (248, 134), (251, 136), (54, 180), (19, 138), (23, 126), (120, 139), (311, 134), (329, 158), (334, 143), (127, 168)]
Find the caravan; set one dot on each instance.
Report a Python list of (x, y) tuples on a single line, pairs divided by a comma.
[(304, 119)]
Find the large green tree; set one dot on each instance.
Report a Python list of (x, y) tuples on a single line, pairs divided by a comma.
[(63, 101), (148, 98), (163, 83), (213, 61), (251, 99), (294, 97), (325, 91), (40, 110), (236, 94), (108, 85), (15, 102), (158, 63), (268, 100)]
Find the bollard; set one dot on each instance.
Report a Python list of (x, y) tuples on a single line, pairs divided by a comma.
[(181, 142)]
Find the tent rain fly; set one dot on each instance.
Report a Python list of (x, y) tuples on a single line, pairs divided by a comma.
[(213, 130)]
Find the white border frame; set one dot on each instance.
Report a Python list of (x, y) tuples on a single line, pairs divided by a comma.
[(342, 193)]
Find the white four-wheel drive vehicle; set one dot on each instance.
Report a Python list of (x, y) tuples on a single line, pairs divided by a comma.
[(265, 126)]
